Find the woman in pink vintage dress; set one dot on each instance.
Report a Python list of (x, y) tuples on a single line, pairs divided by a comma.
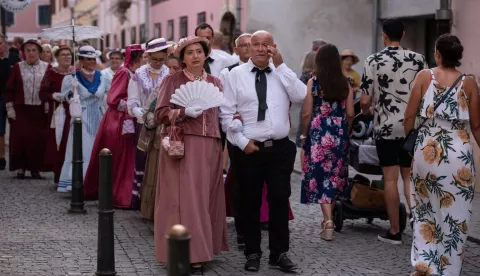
[(190, 190)]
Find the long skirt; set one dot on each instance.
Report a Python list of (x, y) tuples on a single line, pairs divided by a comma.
[(190, 191), (27, 143), (55, 154), (149, 184), (122, 148), (140, 159)]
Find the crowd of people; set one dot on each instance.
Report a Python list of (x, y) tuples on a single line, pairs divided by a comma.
[(126, 107)]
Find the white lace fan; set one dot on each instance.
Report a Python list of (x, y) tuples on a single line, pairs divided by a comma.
[(197, 93)]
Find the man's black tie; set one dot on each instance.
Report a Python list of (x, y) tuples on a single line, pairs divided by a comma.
[(261, 87), (206, 65)]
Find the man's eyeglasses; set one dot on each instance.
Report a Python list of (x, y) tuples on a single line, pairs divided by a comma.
[(243, 45)]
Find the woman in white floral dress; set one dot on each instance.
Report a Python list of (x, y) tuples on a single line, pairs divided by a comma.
[(443, 164)]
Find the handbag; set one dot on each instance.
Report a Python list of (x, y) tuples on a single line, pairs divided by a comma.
[(145, 139), (173, 142), (128, 127), (411, 138), (75, 106)]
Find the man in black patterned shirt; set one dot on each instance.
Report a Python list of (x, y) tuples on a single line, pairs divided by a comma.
[(386, 84)]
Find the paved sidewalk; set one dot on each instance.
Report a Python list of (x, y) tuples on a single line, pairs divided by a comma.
[(474, 229), (39, 238)]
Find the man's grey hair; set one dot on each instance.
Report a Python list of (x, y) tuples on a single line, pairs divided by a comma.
[(240, 36), (317, 43)]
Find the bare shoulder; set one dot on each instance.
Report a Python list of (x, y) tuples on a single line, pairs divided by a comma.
[(470, 85)]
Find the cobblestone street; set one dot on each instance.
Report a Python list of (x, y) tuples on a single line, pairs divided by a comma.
[(39, 238)]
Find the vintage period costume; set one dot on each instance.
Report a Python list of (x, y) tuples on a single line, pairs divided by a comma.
[(443, 174), (116, 133), (190, 190), (92, 100), (27, 130), (139, 89), (108, 75), (149, 184), (55, 154)]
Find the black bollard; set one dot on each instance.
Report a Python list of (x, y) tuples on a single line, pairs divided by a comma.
[(178, 251), (76, 203), (106, 253)]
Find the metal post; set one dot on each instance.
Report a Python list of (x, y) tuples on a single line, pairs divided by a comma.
[(76, 203), (375, 26), (106, 253), (443, 16), (178, 251)]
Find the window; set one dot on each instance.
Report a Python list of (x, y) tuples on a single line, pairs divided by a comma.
[(133, 34), (44, 16), (201, 18), (183, 26), (107, 40), (9, 18), (53, 4), (170, 30), (143, 33), (95, 22), (157, 30), (122, 38), (65, 3)]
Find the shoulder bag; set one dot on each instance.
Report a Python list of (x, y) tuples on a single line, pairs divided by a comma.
[(411, 138)]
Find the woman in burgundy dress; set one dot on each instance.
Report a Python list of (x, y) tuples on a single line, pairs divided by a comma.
[(50, 93), (26, 112), (117, 133)]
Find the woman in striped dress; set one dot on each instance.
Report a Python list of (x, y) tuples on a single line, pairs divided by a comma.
[(92, 88)]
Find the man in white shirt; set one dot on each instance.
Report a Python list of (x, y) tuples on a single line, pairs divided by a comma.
[(242, 50), (218, 46), (261, 92), (215, 61)]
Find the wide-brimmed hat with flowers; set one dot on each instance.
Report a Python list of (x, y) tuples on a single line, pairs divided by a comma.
[(157, 45), (33, 42), (186, 41), (349, 53), (87, 51)]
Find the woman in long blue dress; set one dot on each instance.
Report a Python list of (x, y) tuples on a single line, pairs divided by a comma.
[(327, 115), (92, 88)]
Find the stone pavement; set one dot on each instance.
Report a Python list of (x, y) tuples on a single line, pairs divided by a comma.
[(39, 238)]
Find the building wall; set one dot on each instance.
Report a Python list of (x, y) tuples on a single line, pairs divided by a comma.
[(465, 22), (410, 8), (162, 12), (109, 23), (26, 22), (332, 20)]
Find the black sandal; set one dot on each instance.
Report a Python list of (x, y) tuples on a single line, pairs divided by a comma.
[(36, 175), (20, 175)]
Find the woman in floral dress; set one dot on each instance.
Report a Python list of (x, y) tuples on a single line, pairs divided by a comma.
[(443, 173), (327, 115)]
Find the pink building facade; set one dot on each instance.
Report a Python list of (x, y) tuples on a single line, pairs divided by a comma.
[(174, 19), (30, 22)]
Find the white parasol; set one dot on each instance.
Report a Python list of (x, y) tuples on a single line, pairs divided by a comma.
[(74, 33)]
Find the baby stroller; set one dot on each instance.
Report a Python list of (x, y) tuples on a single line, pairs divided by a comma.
[(363, 158)]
